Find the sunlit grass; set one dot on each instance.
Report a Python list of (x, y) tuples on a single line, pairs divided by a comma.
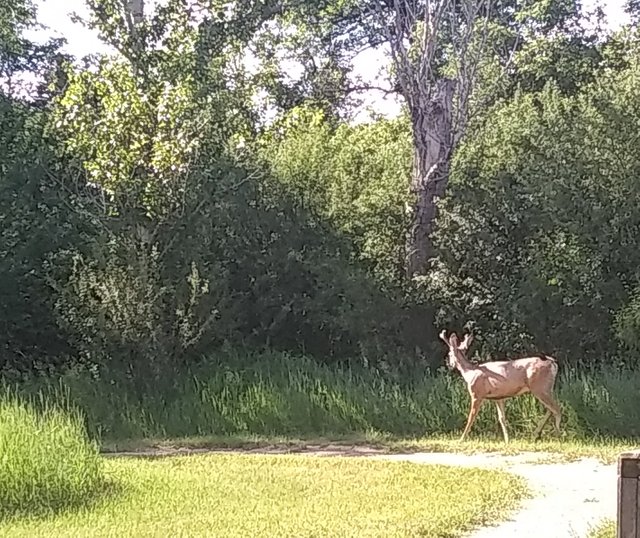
[(604, 450), (607, 529), (267, 496), (272, 395), (47, 462)]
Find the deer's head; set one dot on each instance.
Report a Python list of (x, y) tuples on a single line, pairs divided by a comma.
[(457, 350)]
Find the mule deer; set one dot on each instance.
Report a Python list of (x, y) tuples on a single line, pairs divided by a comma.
[(499, 380)]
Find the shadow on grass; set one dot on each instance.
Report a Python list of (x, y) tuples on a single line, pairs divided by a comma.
[(604, 449), (106, 491), (159, 449)]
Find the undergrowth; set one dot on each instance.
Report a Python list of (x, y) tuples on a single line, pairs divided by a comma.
[(277, 395)]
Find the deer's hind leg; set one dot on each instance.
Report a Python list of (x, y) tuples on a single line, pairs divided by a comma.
[(541, 424), (553, 408)]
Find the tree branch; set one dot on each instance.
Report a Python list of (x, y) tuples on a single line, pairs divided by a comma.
[(372, 87)]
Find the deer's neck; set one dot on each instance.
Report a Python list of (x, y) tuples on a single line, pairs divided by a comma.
[(464, 366)]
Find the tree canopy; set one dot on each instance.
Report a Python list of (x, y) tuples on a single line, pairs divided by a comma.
[(205, 186)]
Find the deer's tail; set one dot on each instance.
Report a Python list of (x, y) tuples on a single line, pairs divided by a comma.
[(552, 360)]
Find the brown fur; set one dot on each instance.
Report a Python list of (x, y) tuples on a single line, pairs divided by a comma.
[(499, 380)]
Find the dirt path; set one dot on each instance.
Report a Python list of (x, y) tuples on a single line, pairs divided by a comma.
[(569, 498)]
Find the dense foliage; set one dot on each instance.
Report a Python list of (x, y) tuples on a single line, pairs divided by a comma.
[(551, 262), (152, 212)]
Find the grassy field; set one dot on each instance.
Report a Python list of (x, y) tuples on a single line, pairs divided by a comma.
[(273, 395), (288, 403), (265, 496)]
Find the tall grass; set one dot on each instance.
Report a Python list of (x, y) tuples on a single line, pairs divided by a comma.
[(274, 394), (46, 460)]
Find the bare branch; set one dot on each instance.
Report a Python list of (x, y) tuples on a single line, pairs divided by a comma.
[(490, 92), (193, 213), (83, 211), (371, 87)]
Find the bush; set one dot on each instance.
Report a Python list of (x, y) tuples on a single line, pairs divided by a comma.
[(47, 462), (534, 252)]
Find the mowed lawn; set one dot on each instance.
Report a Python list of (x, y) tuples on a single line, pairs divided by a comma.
[(269, 495)]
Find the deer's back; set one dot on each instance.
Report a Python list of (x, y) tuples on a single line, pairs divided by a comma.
[(513, 377), (524, 367)]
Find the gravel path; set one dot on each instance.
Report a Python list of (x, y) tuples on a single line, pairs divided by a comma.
[(569, 498)]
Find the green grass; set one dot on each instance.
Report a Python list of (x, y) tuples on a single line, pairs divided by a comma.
[(46, 461), (274, 395), (266, 496), (607, 529), (604, 450)]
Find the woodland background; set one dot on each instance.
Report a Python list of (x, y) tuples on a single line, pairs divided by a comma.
[(168, 211)]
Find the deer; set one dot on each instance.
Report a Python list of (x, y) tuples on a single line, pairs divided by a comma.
[(500, 380)]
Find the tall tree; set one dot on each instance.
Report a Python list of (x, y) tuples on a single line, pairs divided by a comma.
[(33, 222), (196, 247), (418, 34), (25, 66), (442, 52)]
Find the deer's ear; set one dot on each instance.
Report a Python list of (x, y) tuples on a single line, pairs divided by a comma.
[(443, 336), (453, 340), (466, 342)]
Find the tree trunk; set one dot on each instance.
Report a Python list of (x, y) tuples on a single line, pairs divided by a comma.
[(136, 10), (431, 117)]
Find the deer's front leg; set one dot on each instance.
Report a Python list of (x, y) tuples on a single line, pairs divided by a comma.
[(473, 412)]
